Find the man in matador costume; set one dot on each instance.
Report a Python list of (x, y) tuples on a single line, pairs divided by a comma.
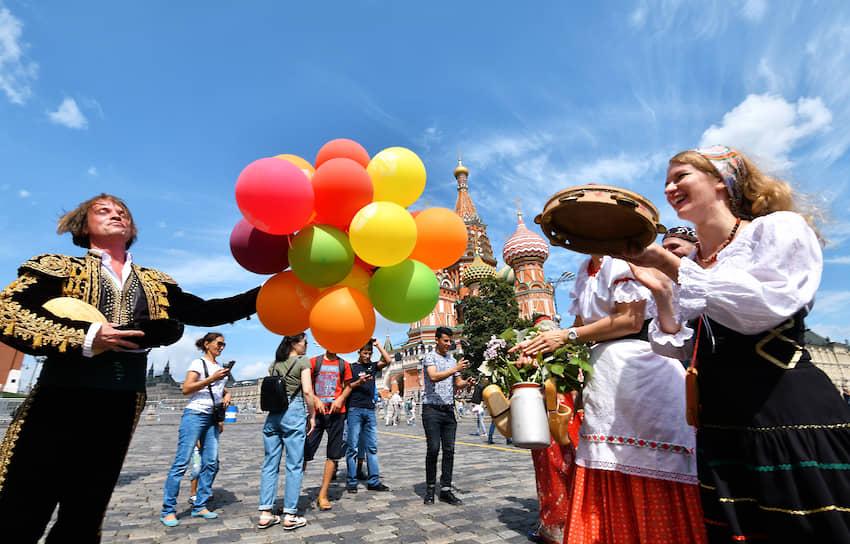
[(68, 440)]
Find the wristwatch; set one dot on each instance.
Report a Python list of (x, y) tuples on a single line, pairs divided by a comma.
[(572, 334)]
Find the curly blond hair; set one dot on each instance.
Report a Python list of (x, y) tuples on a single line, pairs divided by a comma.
[(76, 221)]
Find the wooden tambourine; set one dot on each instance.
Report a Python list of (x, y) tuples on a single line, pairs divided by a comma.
[(599, 219)]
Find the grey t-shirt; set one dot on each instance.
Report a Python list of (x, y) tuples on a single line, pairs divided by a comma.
[(291, 368), (441, 392)]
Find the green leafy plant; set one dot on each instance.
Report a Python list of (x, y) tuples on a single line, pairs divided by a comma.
[(568, 365)]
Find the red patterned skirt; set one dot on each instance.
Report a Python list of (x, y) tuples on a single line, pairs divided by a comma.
[(612, 507)]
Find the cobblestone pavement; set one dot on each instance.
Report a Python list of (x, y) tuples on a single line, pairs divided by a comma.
[(496, 483)]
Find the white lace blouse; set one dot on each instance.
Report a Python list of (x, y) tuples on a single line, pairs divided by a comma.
[(767, 274)]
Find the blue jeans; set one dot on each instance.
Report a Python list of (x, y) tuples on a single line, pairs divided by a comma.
[(362, 429), (194, 426), (479, 427), (284, 430)]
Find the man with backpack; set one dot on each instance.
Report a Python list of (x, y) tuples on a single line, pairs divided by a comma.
[(331, 374)]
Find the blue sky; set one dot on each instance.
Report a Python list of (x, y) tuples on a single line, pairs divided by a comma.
[(164, 103)]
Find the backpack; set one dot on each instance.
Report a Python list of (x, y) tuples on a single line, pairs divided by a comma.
[(273, 396)]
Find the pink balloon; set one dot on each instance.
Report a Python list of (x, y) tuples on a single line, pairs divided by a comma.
[(257, 251), (275, 196)]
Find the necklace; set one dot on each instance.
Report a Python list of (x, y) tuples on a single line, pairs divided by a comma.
[(713, 257)]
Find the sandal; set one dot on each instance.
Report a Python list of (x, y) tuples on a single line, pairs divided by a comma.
[(270, 521), (323, 503), (291, 521)]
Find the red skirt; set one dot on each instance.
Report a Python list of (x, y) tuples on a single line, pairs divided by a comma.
[(553, 470), (612, 507)]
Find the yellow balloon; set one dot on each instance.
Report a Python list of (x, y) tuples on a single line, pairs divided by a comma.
[(398, 175), (358, 278), (382, 233)]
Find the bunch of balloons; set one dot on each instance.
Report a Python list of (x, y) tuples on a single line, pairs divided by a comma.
[(343, 227)]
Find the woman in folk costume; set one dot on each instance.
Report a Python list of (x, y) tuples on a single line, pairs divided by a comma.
[(635, 479), (774, 433), (554, 466)]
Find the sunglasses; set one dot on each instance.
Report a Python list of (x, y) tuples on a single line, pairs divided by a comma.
[(220, 343)]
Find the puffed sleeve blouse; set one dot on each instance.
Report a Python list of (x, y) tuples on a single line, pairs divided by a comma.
[(595, 296), (767, 274)]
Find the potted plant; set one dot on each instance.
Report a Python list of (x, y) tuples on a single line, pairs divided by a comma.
[(524, 417)]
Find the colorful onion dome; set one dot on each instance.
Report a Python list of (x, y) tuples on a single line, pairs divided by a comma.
[(477, 271), (506, 274), (524, 244)]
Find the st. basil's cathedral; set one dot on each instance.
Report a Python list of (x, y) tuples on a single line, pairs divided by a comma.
[(524, 254)]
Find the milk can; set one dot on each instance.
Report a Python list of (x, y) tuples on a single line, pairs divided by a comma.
[(529, 421)]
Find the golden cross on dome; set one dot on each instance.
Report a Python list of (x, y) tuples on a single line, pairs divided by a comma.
[(518, 211)]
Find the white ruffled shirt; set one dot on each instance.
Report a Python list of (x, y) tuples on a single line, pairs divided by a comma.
[(634, 402), (595, 297), (768, 273)]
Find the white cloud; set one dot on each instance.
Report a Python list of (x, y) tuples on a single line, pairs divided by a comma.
[(92, 171), (68, 115), (428, 138), (16, 72), (192, 271), (831, 302), (845, 259), (768, 126), (23, 193), (754, 10), (637, 18)]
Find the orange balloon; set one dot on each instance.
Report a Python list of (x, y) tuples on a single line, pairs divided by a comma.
[(343, 148), (303, 164), (441, 238), (342, 319), (284, 303)]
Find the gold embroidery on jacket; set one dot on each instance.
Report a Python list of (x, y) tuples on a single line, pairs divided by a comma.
[(7, 446), (22, 324)]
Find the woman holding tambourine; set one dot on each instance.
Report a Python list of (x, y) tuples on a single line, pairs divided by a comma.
[(774, 433)]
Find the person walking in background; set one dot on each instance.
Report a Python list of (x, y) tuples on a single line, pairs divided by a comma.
[(478, 407), (442, 375), (287, 430), (199, 425), (331, 374), (362, 427), (411, 420), (102, 362)]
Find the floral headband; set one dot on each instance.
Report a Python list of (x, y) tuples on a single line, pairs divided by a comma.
[(731, 168), (685, 233)]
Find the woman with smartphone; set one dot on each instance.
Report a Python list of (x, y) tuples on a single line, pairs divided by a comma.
[(204, 384)]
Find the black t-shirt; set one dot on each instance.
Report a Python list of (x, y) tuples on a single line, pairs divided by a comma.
[(363, 396)]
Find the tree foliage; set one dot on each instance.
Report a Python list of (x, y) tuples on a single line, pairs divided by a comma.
[(489, 313)]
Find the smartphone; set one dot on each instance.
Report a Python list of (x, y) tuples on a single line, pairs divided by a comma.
[(229, 364)]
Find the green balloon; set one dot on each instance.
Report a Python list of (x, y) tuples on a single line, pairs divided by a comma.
[(405, 292), (321, 255)]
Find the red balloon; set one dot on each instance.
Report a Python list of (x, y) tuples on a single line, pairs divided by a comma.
[(342, 148), (257, 251), (341, 187), (275, 196)]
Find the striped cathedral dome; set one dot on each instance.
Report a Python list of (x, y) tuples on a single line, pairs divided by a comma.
[(477, 271), (524, 244)]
